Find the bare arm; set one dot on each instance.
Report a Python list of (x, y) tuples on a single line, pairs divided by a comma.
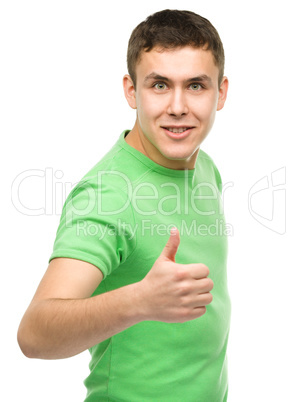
[(63, 320)]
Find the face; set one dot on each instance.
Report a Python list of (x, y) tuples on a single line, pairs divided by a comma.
[(176, 98)]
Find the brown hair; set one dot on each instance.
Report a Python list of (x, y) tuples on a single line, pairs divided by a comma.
[(170, 29)]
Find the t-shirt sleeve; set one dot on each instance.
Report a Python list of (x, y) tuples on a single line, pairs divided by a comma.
[(96, 226)]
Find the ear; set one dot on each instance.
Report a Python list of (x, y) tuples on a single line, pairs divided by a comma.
[(129, 91), (222, 93)]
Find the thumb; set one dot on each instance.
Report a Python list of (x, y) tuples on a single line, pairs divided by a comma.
[(171, 248)]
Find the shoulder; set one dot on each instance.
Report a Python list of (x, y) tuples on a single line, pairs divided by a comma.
[(207, 164), (108, 173), (102, 188), (203, 155)]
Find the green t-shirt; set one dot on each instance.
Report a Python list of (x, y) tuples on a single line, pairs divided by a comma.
[(119, 218)]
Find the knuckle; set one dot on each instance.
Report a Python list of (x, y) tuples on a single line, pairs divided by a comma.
[(202, 310), (180, 274), (204, 299), (204, 269), (185, 314), (210, 284), (205, 285), (209, 298), (184, 290), (183, 304), (198, 312)]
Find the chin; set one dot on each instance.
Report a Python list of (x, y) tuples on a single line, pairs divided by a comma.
[(185, 155), (178, 157)]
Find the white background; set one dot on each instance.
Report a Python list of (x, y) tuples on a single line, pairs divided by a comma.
[(62, 108)]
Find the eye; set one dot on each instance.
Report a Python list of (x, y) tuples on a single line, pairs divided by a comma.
[(195, 86), (160, 86)]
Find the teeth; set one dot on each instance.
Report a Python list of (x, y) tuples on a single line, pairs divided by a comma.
[(177, 130)]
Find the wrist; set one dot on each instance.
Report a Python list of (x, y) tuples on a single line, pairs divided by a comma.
[(137, 302)]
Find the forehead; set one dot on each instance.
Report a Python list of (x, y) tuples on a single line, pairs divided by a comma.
[(177, 64)]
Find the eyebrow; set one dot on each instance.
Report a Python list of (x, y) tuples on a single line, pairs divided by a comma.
[(199, 78)]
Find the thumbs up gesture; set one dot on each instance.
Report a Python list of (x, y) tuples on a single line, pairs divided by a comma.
[(174, 292)]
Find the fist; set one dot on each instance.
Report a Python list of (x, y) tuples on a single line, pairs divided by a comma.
[(175, 292)]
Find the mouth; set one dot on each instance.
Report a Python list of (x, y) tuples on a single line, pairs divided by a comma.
[(177, 132)]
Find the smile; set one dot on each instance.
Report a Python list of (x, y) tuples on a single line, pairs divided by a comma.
[(178, 132), (177, 129)]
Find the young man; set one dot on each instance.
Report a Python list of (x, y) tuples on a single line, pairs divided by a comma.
[(138, 270)]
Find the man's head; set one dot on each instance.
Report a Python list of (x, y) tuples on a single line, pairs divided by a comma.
[(169, 29), (176, 84)]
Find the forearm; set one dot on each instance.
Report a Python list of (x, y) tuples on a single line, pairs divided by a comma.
[(61, 328)]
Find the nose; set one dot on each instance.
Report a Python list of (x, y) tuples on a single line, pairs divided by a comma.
[(177, 104)]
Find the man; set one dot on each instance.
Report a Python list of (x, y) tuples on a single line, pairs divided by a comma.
[(138, 270)]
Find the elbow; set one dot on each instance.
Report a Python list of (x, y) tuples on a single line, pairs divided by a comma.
[(24, 343)]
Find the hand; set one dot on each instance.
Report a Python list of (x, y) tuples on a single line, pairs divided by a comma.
[(172, 292)]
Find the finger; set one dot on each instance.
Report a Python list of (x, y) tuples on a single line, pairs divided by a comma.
[(204, 285), (170, 249), (197, 271)]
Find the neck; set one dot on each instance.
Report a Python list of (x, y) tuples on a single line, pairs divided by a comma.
[(138, 140)]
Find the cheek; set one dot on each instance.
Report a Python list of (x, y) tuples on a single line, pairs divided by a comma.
[(205, 109), (149, 109)]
